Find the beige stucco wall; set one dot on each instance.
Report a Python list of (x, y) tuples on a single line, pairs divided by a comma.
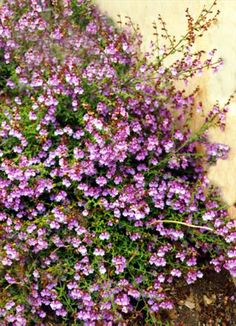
[(215, 87)]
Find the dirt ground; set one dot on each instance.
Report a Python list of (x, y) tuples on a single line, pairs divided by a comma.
[(211, 301)]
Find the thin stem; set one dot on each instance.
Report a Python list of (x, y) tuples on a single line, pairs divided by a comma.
[(200, 17), (185, 224)]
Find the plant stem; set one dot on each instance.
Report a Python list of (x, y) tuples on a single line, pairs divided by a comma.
[(185, 224)]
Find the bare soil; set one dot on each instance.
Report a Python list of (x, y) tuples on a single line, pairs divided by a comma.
[(211, 301)]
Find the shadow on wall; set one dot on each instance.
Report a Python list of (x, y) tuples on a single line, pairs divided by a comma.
[(214, 87)]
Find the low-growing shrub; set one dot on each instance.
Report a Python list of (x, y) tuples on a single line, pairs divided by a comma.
[(105, 202)]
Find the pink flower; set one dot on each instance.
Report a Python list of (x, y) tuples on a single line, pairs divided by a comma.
[(101, 181), (157, 261), (99, 252), (120, 264)]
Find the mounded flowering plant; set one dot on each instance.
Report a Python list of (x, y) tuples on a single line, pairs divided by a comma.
[(104, 199)]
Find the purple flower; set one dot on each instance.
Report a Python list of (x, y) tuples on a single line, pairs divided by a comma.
[(232, 253), (134, 293), (101, 181), (209, 216), (56, 305), (99, 252), (192, 276), (82, 250), (166, 305), (168, 145), (9, 279), (120, 264), (9, 305), (176, 272), (230, 265), (102, 269), (104, 236), (122, 300), (192, 261), (157, 261)]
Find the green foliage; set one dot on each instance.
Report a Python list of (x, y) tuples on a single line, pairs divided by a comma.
[(81, 15), (7, 71)]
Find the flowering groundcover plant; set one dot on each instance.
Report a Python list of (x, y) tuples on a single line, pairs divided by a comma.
[(104, 197)]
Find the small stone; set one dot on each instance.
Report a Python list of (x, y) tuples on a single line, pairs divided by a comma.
[(226, 298), (208, 301), (189, 302)]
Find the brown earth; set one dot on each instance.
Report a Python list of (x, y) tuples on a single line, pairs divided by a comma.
[(211, 301)]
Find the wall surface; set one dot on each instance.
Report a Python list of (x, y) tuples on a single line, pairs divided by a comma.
[(214, 86)]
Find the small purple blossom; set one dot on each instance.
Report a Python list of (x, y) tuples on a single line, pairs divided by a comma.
[(101, 181), (119, 263), (104, 236), (157, 261), (99, 252)]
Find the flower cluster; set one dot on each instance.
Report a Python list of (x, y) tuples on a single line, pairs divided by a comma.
[(103, 191)]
